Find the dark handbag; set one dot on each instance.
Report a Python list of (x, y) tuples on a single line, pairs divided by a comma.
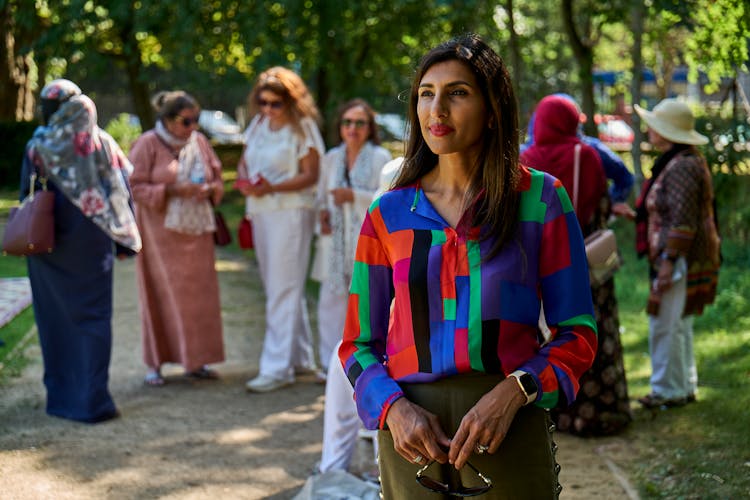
[(245, 234), (222, 236), (31, 227)]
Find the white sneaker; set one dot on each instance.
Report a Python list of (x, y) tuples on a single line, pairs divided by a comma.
[(264, 383)]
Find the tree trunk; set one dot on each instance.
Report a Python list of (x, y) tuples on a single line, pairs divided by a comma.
[(584, 55), (515, 58), (16, 98), (140, 94), (637, 14)]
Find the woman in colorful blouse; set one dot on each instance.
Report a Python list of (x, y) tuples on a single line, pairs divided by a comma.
[(441, 341), (280, 163), (676, 229)]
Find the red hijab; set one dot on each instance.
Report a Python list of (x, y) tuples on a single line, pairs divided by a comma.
[(553, 151)]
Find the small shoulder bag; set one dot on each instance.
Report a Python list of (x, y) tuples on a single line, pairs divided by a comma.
[(601, 245), (30, 228)]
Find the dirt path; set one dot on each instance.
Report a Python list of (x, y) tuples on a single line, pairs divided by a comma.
[(208, 439)]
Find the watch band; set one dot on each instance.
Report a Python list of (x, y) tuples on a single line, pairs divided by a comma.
[(527, 384)]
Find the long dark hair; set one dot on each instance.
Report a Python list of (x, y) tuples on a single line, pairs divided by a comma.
[(496, 174)]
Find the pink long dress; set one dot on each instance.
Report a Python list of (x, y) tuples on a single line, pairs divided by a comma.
[(177, 283)]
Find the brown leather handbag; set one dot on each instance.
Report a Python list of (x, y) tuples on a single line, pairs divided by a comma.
[(222, 236), (31, 227)]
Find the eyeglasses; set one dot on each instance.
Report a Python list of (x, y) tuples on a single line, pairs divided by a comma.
[(262, 103), (346, 122), (186, 121), (438, 487)]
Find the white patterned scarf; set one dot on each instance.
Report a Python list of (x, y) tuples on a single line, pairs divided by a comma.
[(187, 215)]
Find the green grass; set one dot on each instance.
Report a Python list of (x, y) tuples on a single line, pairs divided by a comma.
[(14, 332), (701, 450)]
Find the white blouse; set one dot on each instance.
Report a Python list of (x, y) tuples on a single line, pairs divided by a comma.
[(335, 252), (275, 154)]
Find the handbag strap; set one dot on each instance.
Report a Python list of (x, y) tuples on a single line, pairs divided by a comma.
[(576, 174)]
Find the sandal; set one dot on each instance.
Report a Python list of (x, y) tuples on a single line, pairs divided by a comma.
[(656, 401), (154, 379), (203, 373)]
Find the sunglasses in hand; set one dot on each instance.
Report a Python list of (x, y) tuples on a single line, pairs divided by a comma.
[(463, 491)]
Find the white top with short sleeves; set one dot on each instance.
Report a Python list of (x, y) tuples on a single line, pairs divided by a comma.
[(275, 154)]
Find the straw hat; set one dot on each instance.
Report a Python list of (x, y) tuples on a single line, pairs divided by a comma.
[(673, 120)]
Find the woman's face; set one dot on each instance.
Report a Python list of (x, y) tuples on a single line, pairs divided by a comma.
[(272, 106), (451, 109), (182, 125), (659, 142), (355, 127)]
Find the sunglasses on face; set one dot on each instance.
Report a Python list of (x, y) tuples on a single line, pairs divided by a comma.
[(186, 121), (357, 123), (262, 103), (463, 491)]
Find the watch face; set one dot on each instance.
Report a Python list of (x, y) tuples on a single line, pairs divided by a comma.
[(527, 381)]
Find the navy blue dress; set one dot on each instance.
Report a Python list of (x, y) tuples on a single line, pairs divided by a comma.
[(72, 298)]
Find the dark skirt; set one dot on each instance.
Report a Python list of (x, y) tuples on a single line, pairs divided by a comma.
[(602, 406), (523, 467), (72, 297)]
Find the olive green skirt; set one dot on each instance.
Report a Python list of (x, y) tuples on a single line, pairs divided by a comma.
[(523, 467)]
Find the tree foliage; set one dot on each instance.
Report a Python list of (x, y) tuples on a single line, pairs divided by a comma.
[(122, 51), (718, 45)]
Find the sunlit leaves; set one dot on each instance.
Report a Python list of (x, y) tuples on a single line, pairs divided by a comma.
[(719, 44)]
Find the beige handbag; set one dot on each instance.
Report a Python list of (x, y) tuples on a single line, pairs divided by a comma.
[(603, 256), (601, 245)]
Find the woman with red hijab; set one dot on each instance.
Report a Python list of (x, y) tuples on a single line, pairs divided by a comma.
[(602, 406)]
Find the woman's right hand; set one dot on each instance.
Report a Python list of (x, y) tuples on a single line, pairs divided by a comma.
[(189, 190), (416, 432), (325, 222)]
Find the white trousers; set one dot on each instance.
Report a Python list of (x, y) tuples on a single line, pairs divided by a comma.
[(331, 318), (673, 371), (282, 245), (340, 420)]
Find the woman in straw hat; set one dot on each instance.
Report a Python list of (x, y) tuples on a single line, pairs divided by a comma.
[(676, 229)]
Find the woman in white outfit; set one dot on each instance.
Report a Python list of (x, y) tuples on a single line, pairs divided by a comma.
[(341, 424), (283, 147), (350, 175)]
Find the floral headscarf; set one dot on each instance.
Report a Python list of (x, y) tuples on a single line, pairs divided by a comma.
[(85, 163)]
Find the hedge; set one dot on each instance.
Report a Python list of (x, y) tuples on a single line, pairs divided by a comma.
[(15, 136)]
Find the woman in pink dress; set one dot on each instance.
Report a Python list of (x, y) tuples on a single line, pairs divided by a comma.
[(177, 178)]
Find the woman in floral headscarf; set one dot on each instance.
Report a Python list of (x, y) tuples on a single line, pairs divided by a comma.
[(72, 285)]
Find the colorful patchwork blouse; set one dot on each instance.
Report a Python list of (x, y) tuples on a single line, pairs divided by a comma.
[(426, 304)]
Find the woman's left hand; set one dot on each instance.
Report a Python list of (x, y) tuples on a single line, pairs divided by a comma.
[(342, 195), (261, 188), (487, 422), (663, 280)]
